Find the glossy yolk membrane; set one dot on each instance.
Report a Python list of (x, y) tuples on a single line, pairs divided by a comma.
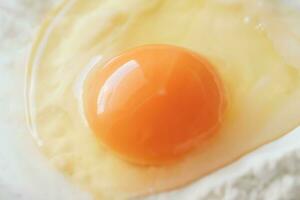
[(153, 104)]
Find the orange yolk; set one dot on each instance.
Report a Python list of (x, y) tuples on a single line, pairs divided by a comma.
[(153, 104)]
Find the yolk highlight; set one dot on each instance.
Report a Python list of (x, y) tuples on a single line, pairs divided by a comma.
[(153, 104)]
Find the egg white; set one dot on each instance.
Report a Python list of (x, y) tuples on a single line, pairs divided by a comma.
[(24, 172), (262, 23)]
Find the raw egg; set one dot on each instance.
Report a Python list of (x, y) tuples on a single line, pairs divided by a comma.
[(154, 103), (128, 101)]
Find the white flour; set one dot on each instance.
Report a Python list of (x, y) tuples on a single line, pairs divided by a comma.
[(272, 172), (276, 177)]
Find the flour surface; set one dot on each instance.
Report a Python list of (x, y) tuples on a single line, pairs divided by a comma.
[(272, 172)]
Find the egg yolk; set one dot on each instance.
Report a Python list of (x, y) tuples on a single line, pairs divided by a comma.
[(153, 104)]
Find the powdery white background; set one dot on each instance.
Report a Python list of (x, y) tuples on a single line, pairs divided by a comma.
[(271, 172)]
